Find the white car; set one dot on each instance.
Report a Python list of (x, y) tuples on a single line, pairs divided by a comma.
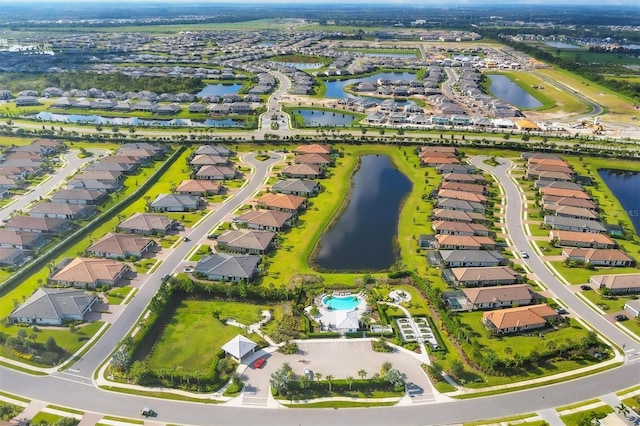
[(524, 254), (189, 269)]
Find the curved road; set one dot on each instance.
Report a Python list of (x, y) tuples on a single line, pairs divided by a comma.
[(73, 163), (76, 390), (596, 109)]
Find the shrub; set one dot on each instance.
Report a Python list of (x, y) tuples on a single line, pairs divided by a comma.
[(381, 345), (289, 348)]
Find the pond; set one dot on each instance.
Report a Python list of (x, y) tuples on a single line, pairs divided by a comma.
[(625, 186), (504, 88), (364, 238), (135, 121), (335, 89), (219, 89), (561, 45), (319, 118)]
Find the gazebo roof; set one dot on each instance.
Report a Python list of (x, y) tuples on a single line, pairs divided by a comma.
[(239, 346)]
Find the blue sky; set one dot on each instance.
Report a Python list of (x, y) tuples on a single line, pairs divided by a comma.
[(443, 3)]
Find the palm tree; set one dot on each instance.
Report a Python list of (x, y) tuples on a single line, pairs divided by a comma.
[(349, 381), (318, 376), (329, 378), (179, 370), (623, 409), (362, 374)]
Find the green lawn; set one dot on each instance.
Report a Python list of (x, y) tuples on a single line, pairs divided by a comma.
[(582, 275), (116, 295), (144, 265), (50, 419), (71, 342), (612, 303), (202, 251), (583, 417), (547, 249), (194, 336), (188, 218), (538, 231), (168, 240)]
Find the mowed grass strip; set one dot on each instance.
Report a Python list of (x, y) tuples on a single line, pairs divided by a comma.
[(194, 322)]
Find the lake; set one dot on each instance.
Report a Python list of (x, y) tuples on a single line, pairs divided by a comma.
[(503, 88), (300, 65), (625, 186), (335, 89), (318, 118), (135, 121), (219, 89), (364, 238), (561, 45)]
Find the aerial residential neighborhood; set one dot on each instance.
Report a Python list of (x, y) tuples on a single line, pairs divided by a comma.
[(321, 214)]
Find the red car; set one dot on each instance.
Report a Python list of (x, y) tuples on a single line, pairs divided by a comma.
[(259, 363)]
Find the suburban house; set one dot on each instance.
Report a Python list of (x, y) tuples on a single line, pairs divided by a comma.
[(462, 205), (302, 171), (121, 246), (13, 256), (633, 307), (456, 168), (147, 224), (560, 192), (177, 203), (459, 228), (564, 223), (91, 197), (199, 187), (457, 216), (246, 241), (464, 178), (549, 201), (212, 172), (95, 184), (523, 318), (213, 150), (505, 296), (321, 160), (432, 159), (302, 187), (62, 210), (314, 149), (480, 276), (573, 212), (460, 195), (209, 160), (558, 184), (548, 175), (284, 202), (465, 187), (227, 267), (464, 242), (22, 240), (54, 306), (89, 273), (269, 220), (598, 257), (617, 284), (471, 258), (104, 166), (37, 224), (581, 239)]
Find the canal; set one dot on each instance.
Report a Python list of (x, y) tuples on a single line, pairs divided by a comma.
[(364, 238)]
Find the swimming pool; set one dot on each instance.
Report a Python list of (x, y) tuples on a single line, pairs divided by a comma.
[(341, 303)]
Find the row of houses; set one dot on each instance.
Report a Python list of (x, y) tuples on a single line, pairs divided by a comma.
[(471, 261), (19, 163)]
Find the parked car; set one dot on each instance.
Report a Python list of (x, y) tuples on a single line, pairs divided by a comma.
[(309, 373), (259, 363), (620, 317), (413, 389), (185, 239), (561, 311), (189, 269), (585, 287)]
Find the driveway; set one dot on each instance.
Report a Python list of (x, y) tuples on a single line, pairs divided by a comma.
[(340, 358)]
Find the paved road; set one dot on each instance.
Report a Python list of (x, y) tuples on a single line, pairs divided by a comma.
[(73, 163), (84, 368), (513, 215), (273, 108), (596, 109)]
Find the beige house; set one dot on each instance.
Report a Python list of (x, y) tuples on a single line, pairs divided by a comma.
[(524, 318), (89, 273)]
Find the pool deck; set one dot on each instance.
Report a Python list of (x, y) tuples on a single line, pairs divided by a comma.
[(327, 317)]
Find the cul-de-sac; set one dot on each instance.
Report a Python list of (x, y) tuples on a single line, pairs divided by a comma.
[(319, 214)]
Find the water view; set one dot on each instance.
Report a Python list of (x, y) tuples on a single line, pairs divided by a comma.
[(561, 45), (319, 118), (503, 88), (335, 89), (625, 186), (219, 89), (300, 65), (364, 237), (135, 121)]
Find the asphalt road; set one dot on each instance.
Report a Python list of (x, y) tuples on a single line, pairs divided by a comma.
[(596, 109), (73, 163), (84, 368), (516, 232)]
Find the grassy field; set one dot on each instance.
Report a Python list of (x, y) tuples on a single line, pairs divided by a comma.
[(195, 322), (582, 275), (49, 419), (583, 417)]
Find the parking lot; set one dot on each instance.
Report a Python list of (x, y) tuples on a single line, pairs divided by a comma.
[(339, 358)]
